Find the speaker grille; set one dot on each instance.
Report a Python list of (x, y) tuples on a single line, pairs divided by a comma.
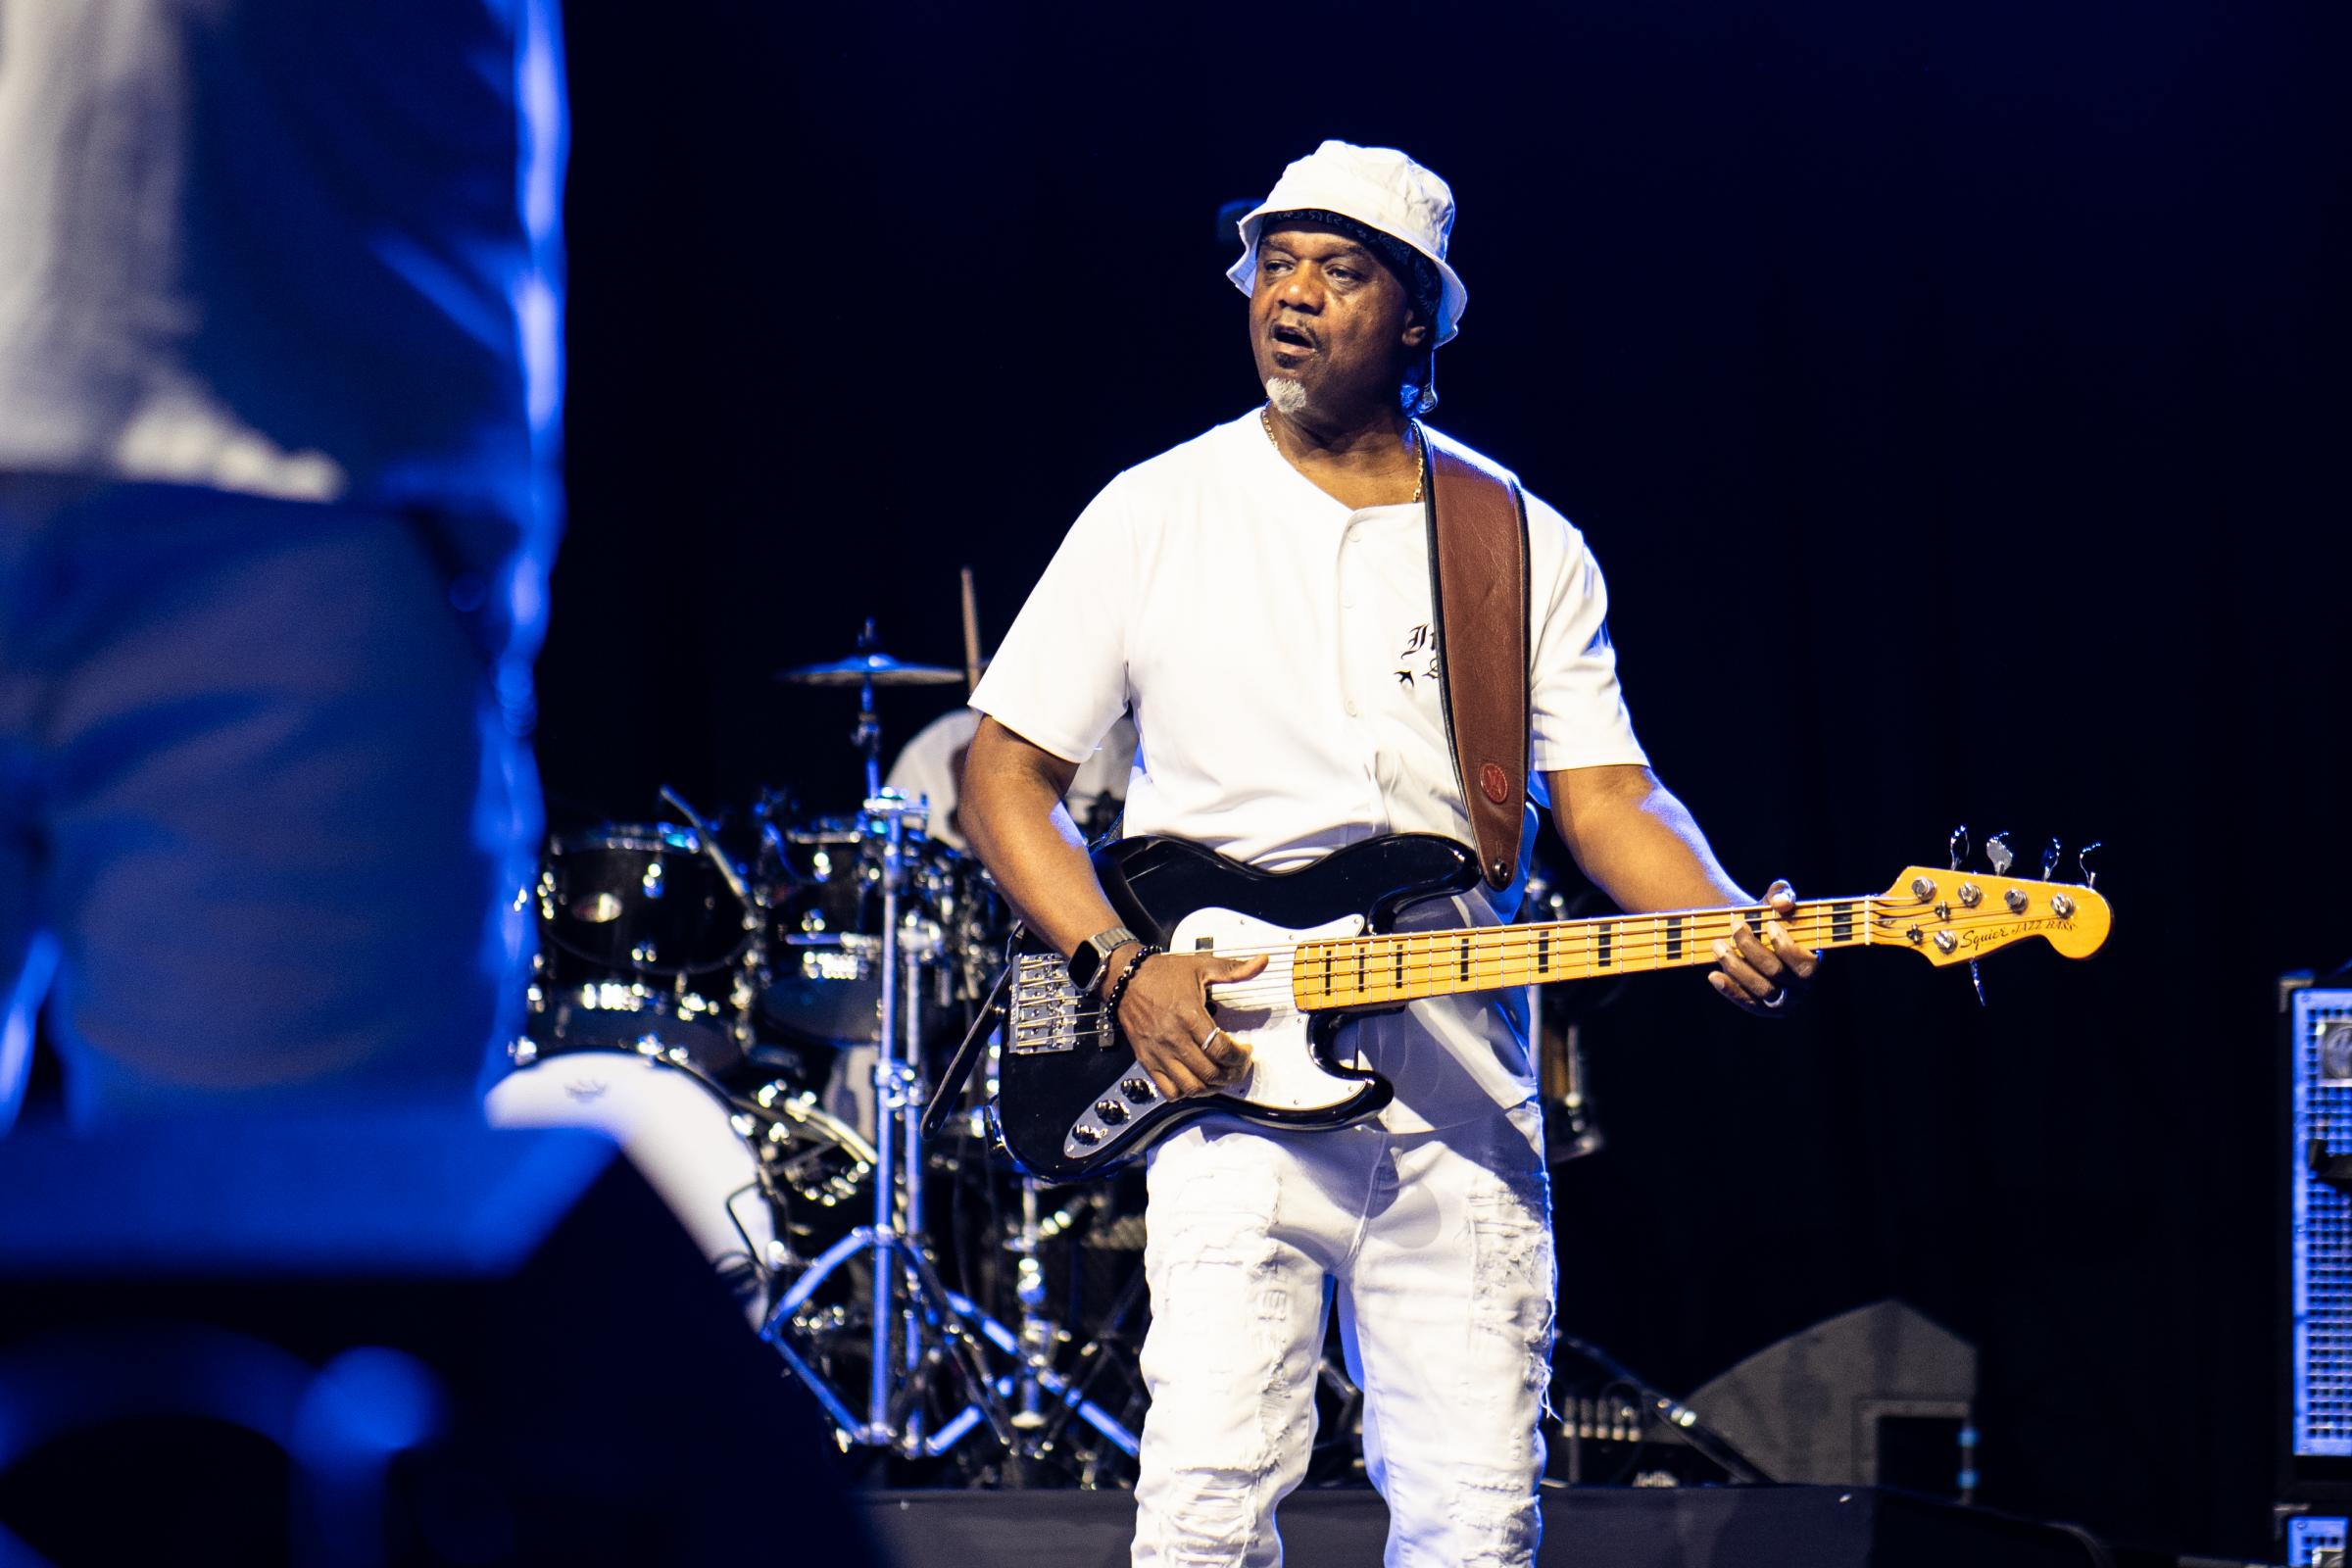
[(2314, 1542), (2322, 1024)]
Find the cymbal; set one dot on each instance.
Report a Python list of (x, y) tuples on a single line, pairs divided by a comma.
[(881, 669)]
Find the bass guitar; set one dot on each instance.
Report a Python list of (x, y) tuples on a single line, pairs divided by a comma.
[(1074, 1103)]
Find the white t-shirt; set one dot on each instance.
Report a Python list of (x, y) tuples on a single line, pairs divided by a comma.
[(1274, 647), (287, 248), (927, 767)]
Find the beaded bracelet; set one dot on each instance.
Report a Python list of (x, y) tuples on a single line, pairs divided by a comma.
[(1118, 987)]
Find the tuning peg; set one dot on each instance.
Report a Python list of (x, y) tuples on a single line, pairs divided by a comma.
[(1997, 853), (2090, 877), (2050, 859), (1958, 843)]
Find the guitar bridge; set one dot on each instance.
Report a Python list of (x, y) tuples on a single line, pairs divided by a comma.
[(1045, 1007)]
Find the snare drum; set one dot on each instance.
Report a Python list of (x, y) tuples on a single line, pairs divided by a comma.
[(641, 942)]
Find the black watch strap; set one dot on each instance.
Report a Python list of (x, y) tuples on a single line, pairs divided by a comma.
[(1086, 964)]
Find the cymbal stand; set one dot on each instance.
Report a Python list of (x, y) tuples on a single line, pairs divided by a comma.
[(1050, 1400), (867, 737), (1044, 1399), (1038, 1333), (914, 1324)]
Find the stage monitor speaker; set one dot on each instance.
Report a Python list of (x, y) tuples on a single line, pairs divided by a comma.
[(1878, 1395), (406, 1340), (2315, 1541), (2316, 1020)]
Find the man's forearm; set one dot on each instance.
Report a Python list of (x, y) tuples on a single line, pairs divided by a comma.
[(1639, 843), (1011, 810)]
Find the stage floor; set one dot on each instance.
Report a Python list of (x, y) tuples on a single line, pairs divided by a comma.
[(1693, 1527)]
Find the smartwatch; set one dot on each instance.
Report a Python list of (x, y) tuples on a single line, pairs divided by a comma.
[(1086, 964)]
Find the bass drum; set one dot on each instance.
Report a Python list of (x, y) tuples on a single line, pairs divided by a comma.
[(677, 1127), (764, 1184), (642, 943)]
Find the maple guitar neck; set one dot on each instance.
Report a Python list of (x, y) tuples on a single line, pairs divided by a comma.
[(1944, 918)]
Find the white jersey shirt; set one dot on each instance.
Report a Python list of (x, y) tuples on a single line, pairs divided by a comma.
[(1275, 648)]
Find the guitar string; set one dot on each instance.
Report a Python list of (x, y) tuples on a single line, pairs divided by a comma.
[(1431, 952), (1258, 994), (1498, 944), (1633, 953), (1807, 909), (1422, 968), (1804, 909)]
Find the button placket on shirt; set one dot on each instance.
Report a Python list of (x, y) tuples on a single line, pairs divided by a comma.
[(1344, 569), (1356, 658)]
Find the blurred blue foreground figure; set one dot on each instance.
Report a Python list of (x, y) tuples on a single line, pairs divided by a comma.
[(280, 299)]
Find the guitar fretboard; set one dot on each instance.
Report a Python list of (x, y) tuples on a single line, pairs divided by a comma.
[(1380, 970)]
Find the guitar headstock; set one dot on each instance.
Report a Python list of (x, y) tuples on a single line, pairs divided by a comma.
[(1952, 917)]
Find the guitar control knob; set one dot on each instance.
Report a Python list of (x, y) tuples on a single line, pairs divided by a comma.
[(2061, 906), (1085, 1137), (1971, 895), (2015, 900), (1138, 1090), (1111, 1110), (1922, 889), (1946, 943)]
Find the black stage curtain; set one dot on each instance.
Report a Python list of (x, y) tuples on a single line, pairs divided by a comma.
[(1952, 394)]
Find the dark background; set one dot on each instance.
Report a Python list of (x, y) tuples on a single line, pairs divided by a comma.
[(1954, 395)]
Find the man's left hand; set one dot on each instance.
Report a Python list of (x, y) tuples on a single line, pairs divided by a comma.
[(1765, 978)]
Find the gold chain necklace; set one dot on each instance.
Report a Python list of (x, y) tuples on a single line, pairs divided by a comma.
[(1266, 423)]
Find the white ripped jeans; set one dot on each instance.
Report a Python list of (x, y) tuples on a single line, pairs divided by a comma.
[(1439, 1248)]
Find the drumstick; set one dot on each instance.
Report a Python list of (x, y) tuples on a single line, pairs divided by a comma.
[(971, 634)]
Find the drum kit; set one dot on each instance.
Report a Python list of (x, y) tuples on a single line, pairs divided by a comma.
[(761, 1012), (754, 1011)]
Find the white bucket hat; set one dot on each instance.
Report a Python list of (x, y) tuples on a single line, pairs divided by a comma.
[(1378, 187)]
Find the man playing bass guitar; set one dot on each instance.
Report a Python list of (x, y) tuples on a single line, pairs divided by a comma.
[(1259, 597)]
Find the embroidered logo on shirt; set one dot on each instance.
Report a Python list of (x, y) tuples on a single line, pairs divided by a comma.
[(1418, 657)]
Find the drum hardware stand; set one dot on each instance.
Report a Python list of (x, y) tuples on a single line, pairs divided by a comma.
[(912, 1311), (1070, 1396), (867, 737), (967, 1054), (1044, 1398), (911, 1333), (1038, 1333)]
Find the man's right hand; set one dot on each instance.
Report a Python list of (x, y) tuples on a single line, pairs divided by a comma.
[(1164, 1016)]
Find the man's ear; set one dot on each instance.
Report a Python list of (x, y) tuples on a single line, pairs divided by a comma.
[(1416, 332)]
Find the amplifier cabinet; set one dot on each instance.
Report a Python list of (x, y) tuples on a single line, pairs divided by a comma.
[(2317, 1453)]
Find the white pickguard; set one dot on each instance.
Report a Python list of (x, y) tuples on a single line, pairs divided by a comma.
[(1282, 1072)]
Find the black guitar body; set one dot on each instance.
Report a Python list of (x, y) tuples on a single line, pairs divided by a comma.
[(1071, 1101)]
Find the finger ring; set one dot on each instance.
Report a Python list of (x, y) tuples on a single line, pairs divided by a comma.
[(1212, 1034), (1780, 995)]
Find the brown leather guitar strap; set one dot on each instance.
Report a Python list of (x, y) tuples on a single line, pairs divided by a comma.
[(1478, 596)]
